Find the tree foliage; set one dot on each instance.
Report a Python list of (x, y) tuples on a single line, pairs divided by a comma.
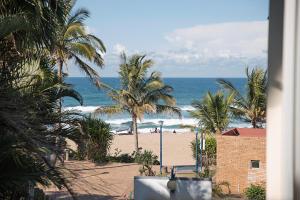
[(29, 93), (98, 138), (213, 111), (73, 42), (251, 107), (28, 126), (140, 93), (255, 192)]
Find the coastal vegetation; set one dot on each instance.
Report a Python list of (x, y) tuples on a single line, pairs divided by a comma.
[(256, 192), (213, 111), (35, 37), (139, 92), (97, 139), (210, 151), (147, 159), (216, 111), (250, 107), (73, 42)]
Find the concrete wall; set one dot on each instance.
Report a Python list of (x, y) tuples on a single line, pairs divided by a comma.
[(234, 155), (149, 188)]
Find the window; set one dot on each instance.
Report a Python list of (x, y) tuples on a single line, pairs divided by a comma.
[(254, 163)]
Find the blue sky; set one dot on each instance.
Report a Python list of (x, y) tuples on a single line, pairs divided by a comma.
[(187, 38)]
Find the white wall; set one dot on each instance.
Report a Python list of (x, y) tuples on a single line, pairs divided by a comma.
[(150, 188), (283, 113)]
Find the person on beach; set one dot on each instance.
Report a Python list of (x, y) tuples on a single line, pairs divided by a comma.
[(174, 131)]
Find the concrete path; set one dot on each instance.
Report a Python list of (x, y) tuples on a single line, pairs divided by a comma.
[(90, 181)]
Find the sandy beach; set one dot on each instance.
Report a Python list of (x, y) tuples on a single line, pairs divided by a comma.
[(176, 147)]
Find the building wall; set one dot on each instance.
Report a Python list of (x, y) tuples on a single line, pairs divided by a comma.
[(234, 155)]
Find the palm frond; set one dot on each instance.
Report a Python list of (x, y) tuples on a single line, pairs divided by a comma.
[(109, 110), (168, 110), (90, 72), (79, 16), (82, 49)]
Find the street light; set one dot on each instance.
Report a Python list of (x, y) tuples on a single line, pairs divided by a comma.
[(201, 147), (197, 163), (160, 153)]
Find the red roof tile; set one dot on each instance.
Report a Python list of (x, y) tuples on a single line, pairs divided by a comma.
[(246, 132)]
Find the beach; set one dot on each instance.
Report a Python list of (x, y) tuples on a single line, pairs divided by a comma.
[(176, 147)]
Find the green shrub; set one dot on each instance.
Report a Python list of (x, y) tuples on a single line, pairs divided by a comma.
[(255, 192), (82, 149), (99, 138), (205, 174), (123, 158), (210, 147), (147, 159)]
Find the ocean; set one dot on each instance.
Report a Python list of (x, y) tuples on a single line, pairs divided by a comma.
[(185, 91)]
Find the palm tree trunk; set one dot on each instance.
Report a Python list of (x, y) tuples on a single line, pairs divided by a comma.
[(254, 123), (134, 126), (59, 75)]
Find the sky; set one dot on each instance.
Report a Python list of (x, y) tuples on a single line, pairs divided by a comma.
[(185, 38)]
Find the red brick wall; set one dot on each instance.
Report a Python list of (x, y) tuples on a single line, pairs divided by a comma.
[(234, 155)]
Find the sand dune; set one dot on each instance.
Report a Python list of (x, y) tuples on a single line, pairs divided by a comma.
[(176, 147)]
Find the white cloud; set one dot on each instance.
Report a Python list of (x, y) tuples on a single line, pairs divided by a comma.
[(213, 50), (233, 39)]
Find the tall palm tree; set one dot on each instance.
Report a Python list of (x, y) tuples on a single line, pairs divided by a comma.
[(213, 111), (29, 91), (27, 121), (252, 106), (32, 23), (73, 42), (140, 93)]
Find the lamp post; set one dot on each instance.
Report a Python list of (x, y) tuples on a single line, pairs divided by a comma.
[(160, 152), (197, 163), (201, 148)]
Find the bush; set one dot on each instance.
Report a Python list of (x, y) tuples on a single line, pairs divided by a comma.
[(205, 174), (123, 158), (210, 149), (147, 159), (255, 192), (99, 139)]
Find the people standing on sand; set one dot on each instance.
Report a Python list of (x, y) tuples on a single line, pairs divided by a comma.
[(155, 130), (174, 131)]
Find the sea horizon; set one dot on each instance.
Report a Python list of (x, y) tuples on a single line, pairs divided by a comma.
[(185, 91)]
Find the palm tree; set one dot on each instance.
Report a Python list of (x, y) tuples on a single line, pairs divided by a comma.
[(28, 126), (29, 92), (32, 23), (140, 94), (73, 42), (213, 111), (252, 106)]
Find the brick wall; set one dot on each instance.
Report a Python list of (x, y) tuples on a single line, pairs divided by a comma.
[(234, 155)]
